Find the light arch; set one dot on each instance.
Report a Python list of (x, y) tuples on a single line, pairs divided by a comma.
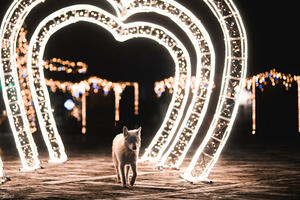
[(233, 78)]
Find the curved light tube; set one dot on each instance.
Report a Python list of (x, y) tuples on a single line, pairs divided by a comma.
[(233, 81), (10, 28)]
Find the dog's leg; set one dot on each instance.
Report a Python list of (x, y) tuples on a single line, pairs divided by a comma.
[(127, 173), (116, 164), (134, 174), (122, 170)]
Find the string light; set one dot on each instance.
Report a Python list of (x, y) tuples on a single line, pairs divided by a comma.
[(261, 79), (65, 65), (22, 49), (257, 81)]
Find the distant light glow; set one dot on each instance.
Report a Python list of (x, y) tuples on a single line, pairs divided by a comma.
[(69, 104)]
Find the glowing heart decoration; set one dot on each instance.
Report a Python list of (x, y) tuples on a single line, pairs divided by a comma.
[(162, 149)]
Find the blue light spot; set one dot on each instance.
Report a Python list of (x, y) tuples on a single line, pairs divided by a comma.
[(276, 78), (69, 104), (260, 86), (106, 92), (76, 95), (269, 75), (60, 68), (24, 75), (205, 85)]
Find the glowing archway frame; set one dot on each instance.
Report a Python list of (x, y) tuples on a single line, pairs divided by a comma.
[(233, 82), (10, 27), (121, 32), (204, 75)]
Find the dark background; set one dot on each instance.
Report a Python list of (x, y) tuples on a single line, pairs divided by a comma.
[(272, 29)]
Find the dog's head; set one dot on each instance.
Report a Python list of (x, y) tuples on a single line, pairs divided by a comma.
[(132, 138)]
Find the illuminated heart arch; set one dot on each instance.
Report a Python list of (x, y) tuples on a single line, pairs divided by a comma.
[(121, 32), (234, 73)]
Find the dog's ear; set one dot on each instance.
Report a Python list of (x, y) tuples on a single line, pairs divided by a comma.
[(139, 131), (125, 131)]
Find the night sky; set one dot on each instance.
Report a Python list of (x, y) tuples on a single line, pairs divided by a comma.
[(272, 29)]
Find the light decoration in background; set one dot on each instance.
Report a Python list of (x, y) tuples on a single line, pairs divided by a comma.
[(76, 89), (249, 93), (121, 32), (94, 84), (69, 104), (262, 79), (54, 64), (21, 61), (57, 64)]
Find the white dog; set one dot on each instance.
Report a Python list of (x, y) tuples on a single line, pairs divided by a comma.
[(125, 153)]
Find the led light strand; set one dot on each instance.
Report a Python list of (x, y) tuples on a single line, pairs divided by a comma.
[(93, 84), (121, 32), (205, 68), (10, 27), (274, 77), (233, 81), (22, 48), (65, 65), (256, 81)]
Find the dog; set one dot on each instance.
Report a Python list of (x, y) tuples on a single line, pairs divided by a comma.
[(125, 153)]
